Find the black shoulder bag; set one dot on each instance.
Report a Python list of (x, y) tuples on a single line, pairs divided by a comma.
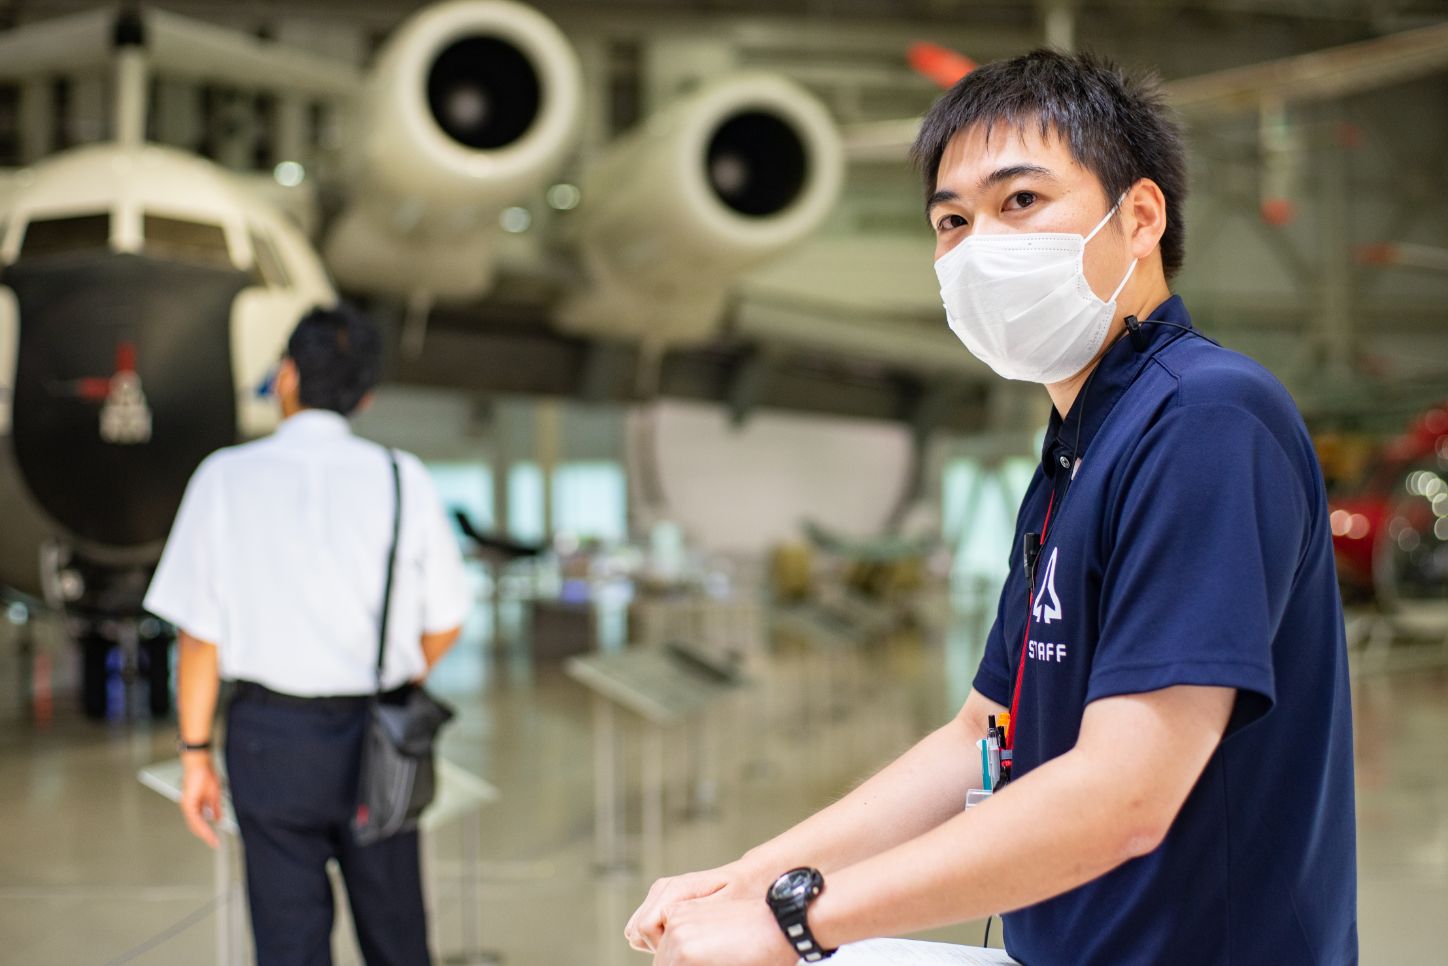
[(397, 779)]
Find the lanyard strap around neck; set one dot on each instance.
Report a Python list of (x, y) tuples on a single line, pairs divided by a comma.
[(1012, 724), (391, 563)]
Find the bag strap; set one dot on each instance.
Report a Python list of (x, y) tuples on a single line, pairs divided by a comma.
[(391, 563)]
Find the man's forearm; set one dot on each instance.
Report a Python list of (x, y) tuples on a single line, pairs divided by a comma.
[(1047, 833), (434, 646), (197, 686), (1111, 798), (919, 790)]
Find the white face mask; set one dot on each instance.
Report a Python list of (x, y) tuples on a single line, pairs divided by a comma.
[(1022, 305)]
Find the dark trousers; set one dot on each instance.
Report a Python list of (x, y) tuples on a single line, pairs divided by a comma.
[(293, 776)]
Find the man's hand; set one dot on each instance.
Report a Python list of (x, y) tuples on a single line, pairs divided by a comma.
[(200, 796), (729, 932), (645, 929)]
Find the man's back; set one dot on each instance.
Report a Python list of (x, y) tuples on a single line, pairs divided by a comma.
[(288, 579)]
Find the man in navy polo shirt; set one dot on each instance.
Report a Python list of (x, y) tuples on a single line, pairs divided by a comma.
[(1171, 654)]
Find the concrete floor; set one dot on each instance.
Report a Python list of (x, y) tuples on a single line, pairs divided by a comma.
[(95, 868)]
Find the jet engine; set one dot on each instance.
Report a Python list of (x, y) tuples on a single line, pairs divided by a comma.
[(471, 105), (731, 174)]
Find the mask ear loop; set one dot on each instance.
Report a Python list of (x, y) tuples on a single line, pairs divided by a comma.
[(1105, 218), (1102, 224), (1129, 269)]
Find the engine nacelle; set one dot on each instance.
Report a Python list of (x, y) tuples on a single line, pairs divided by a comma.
[(730, 174), (471, 105)]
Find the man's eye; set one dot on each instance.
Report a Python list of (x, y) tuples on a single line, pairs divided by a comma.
[(1023, 199), (949, 222)]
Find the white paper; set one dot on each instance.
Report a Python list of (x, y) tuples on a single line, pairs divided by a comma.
[(905, 952)]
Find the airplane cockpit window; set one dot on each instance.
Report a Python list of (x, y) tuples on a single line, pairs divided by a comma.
[(71, 233), (269, 262), (182, 240)]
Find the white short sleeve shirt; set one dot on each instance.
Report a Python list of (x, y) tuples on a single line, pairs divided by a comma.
[(279, 552)]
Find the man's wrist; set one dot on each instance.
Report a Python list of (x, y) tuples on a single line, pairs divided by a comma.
[(757, 869), (193, 760), (826, 921)]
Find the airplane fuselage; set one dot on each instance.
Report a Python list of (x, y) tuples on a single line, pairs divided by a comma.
[(144, 296)]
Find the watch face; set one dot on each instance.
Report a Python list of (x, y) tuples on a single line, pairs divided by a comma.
[(792, 885)]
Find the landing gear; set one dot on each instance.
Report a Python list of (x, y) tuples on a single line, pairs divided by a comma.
[(116, 657), (156, 660), (95, 652)]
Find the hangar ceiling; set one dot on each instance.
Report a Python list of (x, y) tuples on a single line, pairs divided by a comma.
[(1342, 329)]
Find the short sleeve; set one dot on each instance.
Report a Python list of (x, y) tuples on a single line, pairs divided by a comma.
[(185, 589), (444, 590), (1209, 522), (993, 677)]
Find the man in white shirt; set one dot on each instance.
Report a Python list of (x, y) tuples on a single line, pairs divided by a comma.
[(274, 575)]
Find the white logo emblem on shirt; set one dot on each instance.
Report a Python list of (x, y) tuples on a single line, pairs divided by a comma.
[(1048, 605)]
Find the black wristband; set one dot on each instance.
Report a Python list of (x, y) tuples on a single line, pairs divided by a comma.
[(789, 899), (182, 745)]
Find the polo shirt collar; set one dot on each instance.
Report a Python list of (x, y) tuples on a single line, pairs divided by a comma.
[(1067, 439), (314, 422)]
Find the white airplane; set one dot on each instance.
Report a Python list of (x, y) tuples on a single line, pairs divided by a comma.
[(146, 293)]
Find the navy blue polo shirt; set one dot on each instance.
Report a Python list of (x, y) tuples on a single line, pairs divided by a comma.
[(1189, 544)]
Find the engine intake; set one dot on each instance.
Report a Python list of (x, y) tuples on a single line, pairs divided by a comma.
[(729, 175), (472, 105)]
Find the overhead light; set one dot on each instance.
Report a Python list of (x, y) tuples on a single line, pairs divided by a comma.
[(289, 174), (564, 197), (515, 220)]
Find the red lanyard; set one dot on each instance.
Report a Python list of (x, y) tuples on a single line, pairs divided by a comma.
[(1010, 738)]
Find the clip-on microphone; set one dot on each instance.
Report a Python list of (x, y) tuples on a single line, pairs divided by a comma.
[(1138, 337)]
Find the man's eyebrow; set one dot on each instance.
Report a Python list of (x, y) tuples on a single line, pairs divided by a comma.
[(1013, 171), (939, 198), (945, 195)]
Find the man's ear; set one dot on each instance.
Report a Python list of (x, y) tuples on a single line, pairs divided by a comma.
[(364, 404), (288, 380), (1146, 209)]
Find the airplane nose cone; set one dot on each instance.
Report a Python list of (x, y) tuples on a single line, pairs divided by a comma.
[(123, 385)]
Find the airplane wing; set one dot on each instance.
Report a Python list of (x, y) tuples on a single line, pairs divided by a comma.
[(176, 46), (507, 549), (74, 43), (1319, 75), (877, 550), (189, 48)]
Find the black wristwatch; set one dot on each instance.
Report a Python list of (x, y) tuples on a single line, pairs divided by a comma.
[(789, 899)]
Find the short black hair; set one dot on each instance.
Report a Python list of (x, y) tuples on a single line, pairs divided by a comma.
[(338, 355), (1116, 125)]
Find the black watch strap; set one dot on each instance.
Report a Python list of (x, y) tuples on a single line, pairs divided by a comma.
[(789, 899), (796, 930), (183, 745)]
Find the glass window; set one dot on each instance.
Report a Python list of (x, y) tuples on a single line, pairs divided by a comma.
[(180, 239), (467, 487), (73, 233), (525, 503), (979, 511), (590, 500), (269, 261)]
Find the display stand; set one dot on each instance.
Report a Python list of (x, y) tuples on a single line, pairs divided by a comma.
[(461, 796), (906, 952), (664, 687)]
